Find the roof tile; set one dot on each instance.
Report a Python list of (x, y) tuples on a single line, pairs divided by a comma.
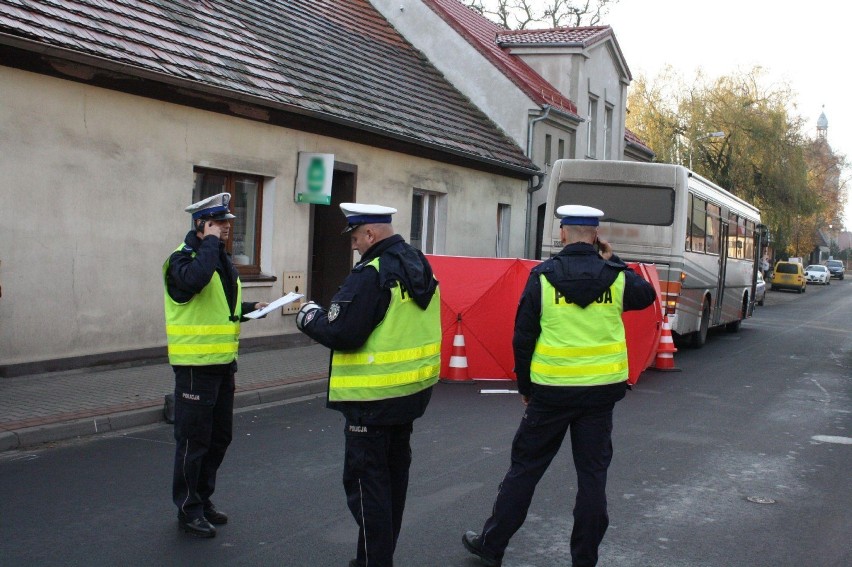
[(339, 58)]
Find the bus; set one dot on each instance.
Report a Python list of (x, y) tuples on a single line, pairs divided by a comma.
[(705, 242)]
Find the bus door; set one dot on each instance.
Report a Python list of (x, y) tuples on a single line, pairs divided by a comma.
[(723, 268)]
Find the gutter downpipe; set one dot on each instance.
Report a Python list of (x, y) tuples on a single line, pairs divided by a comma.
[(533, 188)]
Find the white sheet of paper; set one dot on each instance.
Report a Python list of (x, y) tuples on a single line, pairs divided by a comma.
[(280, 302)]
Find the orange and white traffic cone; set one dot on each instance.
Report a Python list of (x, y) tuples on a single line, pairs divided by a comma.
[(458, 359), (664, 362)]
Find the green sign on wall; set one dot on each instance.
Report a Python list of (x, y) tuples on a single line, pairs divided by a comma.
[(313, 178)]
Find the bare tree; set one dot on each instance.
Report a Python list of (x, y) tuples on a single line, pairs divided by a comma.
[(527, 14)]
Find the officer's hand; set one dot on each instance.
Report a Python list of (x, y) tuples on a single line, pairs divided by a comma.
[(526, 400), (260, 305), (212, 228), (605, 249), (303, 317)]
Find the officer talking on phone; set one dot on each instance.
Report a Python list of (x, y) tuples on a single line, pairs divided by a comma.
[(571, 363), (204, 308)]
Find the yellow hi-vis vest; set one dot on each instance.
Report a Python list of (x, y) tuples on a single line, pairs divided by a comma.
[(401, 356), (200, 332), (580, 346)]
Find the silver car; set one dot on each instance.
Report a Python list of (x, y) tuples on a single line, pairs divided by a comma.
[(760, 289)]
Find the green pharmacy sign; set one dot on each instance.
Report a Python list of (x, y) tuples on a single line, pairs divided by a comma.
[(313, 178)]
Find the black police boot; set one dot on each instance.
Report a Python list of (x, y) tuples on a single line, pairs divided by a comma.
[(473, 544), (214, 516), (198, 527)]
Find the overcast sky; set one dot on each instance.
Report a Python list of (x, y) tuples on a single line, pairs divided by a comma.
[(807, 44)]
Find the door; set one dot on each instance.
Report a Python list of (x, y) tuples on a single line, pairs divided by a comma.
[(331, 254), (723, 268)]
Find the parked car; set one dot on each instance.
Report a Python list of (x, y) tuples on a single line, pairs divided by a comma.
[(835, 268), (817, 273), (760, 289), (789, 275)]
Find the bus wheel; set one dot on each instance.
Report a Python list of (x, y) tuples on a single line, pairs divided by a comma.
[(734, 326), (699, 337)]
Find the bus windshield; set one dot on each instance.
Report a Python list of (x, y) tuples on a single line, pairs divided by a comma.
[(628, 204)]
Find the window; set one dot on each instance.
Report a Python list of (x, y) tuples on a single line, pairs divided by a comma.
[(714, 228), (504, 215), (736, 236), (748, 252), (608, 142), (628, 204), (560, 153), (592, 133), (548, 151), (246, 201), (698, 219), (424, 212)]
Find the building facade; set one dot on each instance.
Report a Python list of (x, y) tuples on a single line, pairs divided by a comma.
[(117, 115)]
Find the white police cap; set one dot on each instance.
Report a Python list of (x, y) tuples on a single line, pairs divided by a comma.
[(358, 214), (213, 208), (579, 215)]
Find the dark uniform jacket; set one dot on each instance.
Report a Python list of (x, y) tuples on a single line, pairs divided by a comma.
[(360, 305), (188, 275), (581, 275)]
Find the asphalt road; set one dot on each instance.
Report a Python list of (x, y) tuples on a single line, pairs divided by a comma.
[(741, 459)]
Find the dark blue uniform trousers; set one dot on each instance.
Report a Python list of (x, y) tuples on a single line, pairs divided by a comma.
[(375, 477), (204, 418), (536, 442)]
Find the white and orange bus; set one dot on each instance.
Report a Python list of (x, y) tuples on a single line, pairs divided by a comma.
[(704, 241)]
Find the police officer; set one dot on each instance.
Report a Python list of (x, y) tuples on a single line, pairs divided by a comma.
[(204, 307), (571, 365), (384, 329)]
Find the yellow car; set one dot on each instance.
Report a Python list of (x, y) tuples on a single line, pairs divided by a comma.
[(789, 275)]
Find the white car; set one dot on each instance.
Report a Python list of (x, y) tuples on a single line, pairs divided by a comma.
[(816, 273)]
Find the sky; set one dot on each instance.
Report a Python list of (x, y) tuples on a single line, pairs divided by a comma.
[(806, 44)]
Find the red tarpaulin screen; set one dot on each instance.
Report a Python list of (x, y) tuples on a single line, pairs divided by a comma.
[(484, 292)]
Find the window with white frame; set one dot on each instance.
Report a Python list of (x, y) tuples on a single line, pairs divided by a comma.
[(246, 201), (592, 128), (504, 216), (548, 150), (608, 132), (424, 221)]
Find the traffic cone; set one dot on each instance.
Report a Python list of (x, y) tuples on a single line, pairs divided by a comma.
[(458, 358), (664, 362)]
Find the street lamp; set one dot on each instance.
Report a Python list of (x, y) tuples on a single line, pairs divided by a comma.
[(830, 241), (704, 137)]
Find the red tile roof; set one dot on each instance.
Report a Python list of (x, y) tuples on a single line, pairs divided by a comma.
[(633, 140), (584, 37), (339, 61), (482, 34), (580, 36)]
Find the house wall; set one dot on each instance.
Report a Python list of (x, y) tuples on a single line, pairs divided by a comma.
[(95, 183), (579, 73)]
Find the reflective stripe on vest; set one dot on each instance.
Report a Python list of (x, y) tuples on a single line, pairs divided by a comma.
[(199, 332), (401, 356), (580, 346)]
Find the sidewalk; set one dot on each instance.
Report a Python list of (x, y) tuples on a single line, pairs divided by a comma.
[(54, 406)]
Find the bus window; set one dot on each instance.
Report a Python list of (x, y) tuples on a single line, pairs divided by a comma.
[(748, 253), (688, 244), (699, 217), (628, 204), (736, 236), (714, 225)]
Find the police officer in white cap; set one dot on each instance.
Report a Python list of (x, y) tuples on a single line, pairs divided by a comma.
[(571, 365), (384, 329), (204, 308)]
